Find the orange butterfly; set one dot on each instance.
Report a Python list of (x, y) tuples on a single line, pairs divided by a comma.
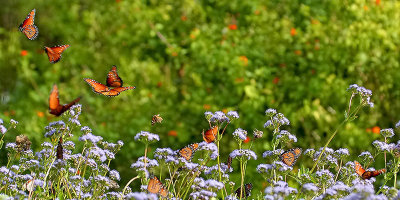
[(155, 186), (113, 80), (60, 153), (367, 174), (54, 103), (289, 157), (246, 191), (188, 151), (54, 53), (156, 119), (210, 134), (28, 27)]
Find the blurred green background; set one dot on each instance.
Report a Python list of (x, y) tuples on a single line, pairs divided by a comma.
[(187, 57)]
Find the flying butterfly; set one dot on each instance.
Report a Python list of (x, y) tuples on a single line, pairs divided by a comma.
[(246, 191), (54, 53), (28, 27), (188, 151), (290, 156), (156, 119), (367, 174), (210, 134), (54, 103), (60, 151), (155, 186)]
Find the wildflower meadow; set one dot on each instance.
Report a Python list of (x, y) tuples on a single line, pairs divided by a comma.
[(216, 99)]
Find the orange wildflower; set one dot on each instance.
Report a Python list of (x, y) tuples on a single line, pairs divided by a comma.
[(206, 107), (183, 18), (247, 139), (298, 52), (244, 60), (377, 2), (293, 32), (232, 26), (276, 80), (24, 52), (173, 133), (225, 110), (368, 130), (39, 113), (376, 129)]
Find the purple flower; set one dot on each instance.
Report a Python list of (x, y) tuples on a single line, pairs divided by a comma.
[(219, 116), (74, 121), (163, 153), (340, 186), (309, 152), (147, 136), (141, 196), (257, 133), (69, 145), (91, 138), (140, 163), (231, 197), (208, 115), (13, 123), (244, 153), (268, 124), (98, 154), (233, 115), (86, 129), (202, 194), (282, 166), (397, 124), (388, 132), (310, 187), (114, 195), (114, 175), (47, 145), (265, 168), (330, 192), (382, 146), (3, 129), (342, 152), (240, 134), (275, 152), (211, 147), (11, 146), (362, 186), (325, 174), (366, 154), (286, 136), (211, 183), (270, 112)]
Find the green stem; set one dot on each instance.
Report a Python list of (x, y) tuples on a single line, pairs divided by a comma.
[(126, 186)]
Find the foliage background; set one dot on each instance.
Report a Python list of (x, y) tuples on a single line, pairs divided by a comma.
[(187, 57)]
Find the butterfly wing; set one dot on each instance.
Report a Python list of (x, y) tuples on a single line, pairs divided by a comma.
[(297, 152), (60, 149), (113, 80), (370, 174), (67, 106), (97, 87), (209, 135), (186, 153), (54, 102), (54, 53), (359, 169), (156, 119), (229, 162), (115, 91), (154, 185), (246, 191), (28, 27)]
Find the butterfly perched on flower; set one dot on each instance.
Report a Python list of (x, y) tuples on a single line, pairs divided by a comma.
[(210, 134), (156, 119), (367, 174), (60, 151), (188, 151), (54, 53), (246, 191), (54, 103), (155, 186), (290, 156), (28, 27), (113, 84)]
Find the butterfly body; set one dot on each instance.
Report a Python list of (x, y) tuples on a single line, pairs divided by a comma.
[(210, 135), (188, 151), (60, 153), (54, 103), (155, 186), (113, 84), (246, 191), (54, 53), (367, 174), (28, 27), (290, 156)]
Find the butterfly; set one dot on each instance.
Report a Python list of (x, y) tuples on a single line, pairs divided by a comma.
[(188, 151), (246, 191), (54, 103), (28, 27), (54, 53), (60, 150), (367, 174), (290, 156), (113, 80), (156, 119), (155, 186), (209, 135), (229, 162)]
